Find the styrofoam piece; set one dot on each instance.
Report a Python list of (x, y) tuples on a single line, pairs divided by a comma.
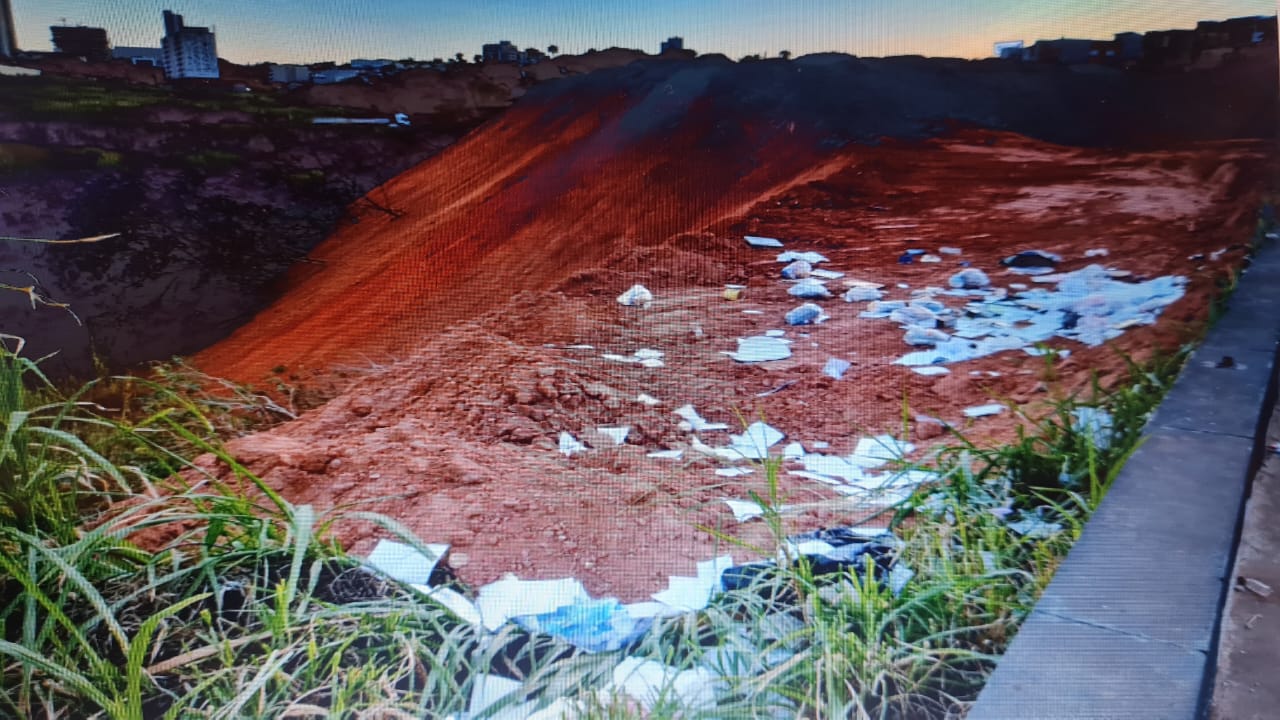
[(647, 399), (763, 242), (569, 445), (826, 274), (405, 563), (744, 510), (649, 682), (510, 597), (617, 434), (733, 471), (666, 454), (836, 368), (983, 410), (453, 601), (697, 421), (761, 349), (693, 593), (931, 370), (809, 288), (636, 296), (812, 258)]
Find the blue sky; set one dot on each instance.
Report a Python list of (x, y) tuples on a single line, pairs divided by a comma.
[(313, 30)]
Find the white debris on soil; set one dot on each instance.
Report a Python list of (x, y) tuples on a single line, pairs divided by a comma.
[(763, 242), (761, 349), (862, 294), (983, 410), (696, 421), (810, 289), (1035, 528), (1094, 423), (931, 370), (693, 593), (512, 597), (646, 399), (569, 445), (733, 472), (812, 258), (826, 274), (806, 314), (836, 368), (1088, 306), (666, 454), (1097, 252), (636, 296), (404, 562), (617, 434), (649, 683), (797, 270), (944, 250)]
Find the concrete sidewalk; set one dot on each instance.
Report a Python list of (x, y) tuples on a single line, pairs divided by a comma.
[(1247, 682), (1132, 622)]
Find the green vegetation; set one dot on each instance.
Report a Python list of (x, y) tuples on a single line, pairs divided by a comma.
[(118, 103), (141, 582)]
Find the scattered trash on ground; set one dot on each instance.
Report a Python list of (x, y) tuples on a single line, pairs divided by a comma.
[(812, 258), (806, 314), (797, 270), (696, 421), (1255, 586), (809, 289), (763, 242), (570, 446), (983, 410), (836, 368), (636, 296), (761, 348)]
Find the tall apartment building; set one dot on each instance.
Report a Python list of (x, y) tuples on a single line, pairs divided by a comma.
[(8, 36), (188, 51)]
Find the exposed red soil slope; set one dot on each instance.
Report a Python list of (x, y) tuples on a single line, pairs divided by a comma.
[(509, 252)]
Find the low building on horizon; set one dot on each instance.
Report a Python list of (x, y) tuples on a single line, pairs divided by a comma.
[(671, 43), (503, 51), (287, 74), (90, 43), (188, 51), (139, 55)]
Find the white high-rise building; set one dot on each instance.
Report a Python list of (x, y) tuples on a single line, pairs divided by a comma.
[(8, 38), (187, 52)]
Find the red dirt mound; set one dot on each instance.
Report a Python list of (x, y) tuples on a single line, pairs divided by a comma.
[(510, 255)]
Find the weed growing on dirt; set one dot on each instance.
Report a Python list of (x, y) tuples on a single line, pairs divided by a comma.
[(138, 583)]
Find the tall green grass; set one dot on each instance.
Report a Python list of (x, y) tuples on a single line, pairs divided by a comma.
[(136, 584)]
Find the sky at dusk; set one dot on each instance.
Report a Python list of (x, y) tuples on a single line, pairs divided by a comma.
[(251, 31)]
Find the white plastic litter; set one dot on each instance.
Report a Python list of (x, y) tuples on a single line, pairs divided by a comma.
[(983, 410), (809, 289), (403, 562), (812, 258), (806, 314), (1097, 252), (826, 274), (930, 258), (796, 270), (488, 690), (862, 294), (617, 434), (764, 242), (924, 336), (693, 593), (761, 349), (666, 454), (569, 445), (969, 279), (511, 597), (649, 400), (931, 370), (453, 601), (649, 682), (836, 368), (949, 250), (733, 472), (775, 333), (696, 421), (637, 295)]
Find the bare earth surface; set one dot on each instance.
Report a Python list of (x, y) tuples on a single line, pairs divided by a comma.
[(472, 354)]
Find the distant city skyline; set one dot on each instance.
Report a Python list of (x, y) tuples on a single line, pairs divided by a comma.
[(249, 31)]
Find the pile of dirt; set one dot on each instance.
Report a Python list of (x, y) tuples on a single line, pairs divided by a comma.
[(484, 316)]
